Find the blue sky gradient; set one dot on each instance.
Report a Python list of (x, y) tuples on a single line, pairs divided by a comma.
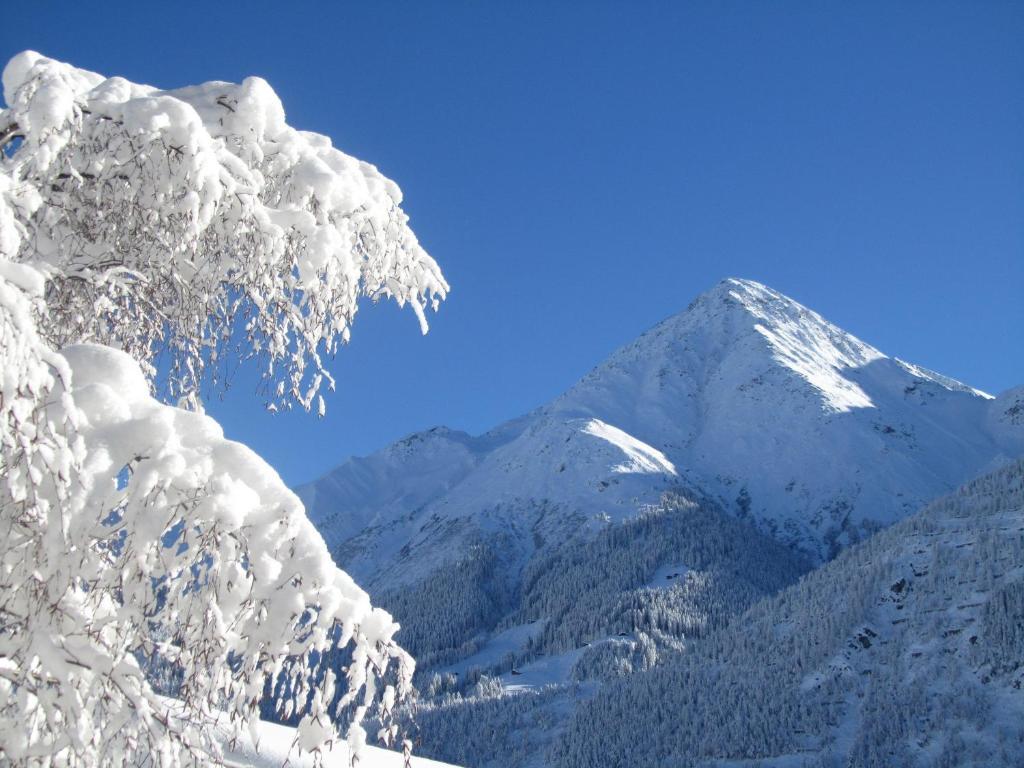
[(583, 170)]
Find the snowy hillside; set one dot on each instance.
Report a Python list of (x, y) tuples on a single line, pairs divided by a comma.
[(272, 746), (698, 470), (582, 615), (906, 650), (747, 396), (819, 436)]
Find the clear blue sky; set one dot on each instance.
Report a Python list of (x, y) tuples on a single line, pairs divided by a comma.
[(582, 170)]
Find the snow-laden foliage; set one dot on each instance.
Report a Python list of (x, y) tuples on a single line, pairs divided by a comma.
[(596, 587), (600, 607), (905, 650), (196, 223), (133, 536), (172, 545), (445, 616), (492, 731)]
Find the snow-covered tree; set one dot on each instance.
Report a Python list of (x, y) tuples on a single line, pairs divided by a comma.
[(149, 241), (197, 223)]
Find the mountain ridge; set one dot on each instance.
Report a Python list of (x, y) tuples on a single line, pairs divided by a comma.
[(715, 391), (697, 470)]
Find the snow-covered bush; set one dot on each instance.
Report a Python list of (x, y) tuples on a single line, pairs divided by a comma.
[(196, 224)]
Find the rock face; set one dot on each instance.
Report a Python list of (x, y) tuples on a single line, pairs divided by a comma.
[(747, 397)]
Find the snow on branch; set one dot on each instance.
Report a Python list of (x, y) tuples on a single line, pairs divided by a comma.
[(196, 223), (135, 540), (136, 537)]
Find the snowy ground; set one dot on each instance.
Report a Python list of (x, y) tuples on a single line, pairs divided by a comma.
[(274, 751), (547, 670), (667, 575), (508, 641)]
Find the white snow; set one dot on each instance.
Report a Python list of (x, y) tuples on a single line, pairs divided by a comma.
[(211, 550), (641, 458), (253, 218), (668, 575), (747, 396), (273, 747), (175, 223), (548, 670), (496, 648)]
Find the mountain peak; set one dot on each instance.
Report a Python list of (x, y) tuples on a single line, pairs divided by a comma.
[(736, 333), (792, 330), (747, 396), (744, 293), (742, 287), (745, 324), (800, 336)]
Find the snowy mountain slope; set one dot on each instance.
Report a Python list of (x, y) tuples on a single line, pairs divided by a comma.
[(747, 396), (536, 480), (583, 615), (1006, 415), (905, 650), (569, 596), (364, 492), (547, 553), (817, 435)]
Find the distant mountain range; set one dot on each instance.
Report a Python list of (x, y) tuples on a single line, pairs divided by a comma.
[(692, 475)]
